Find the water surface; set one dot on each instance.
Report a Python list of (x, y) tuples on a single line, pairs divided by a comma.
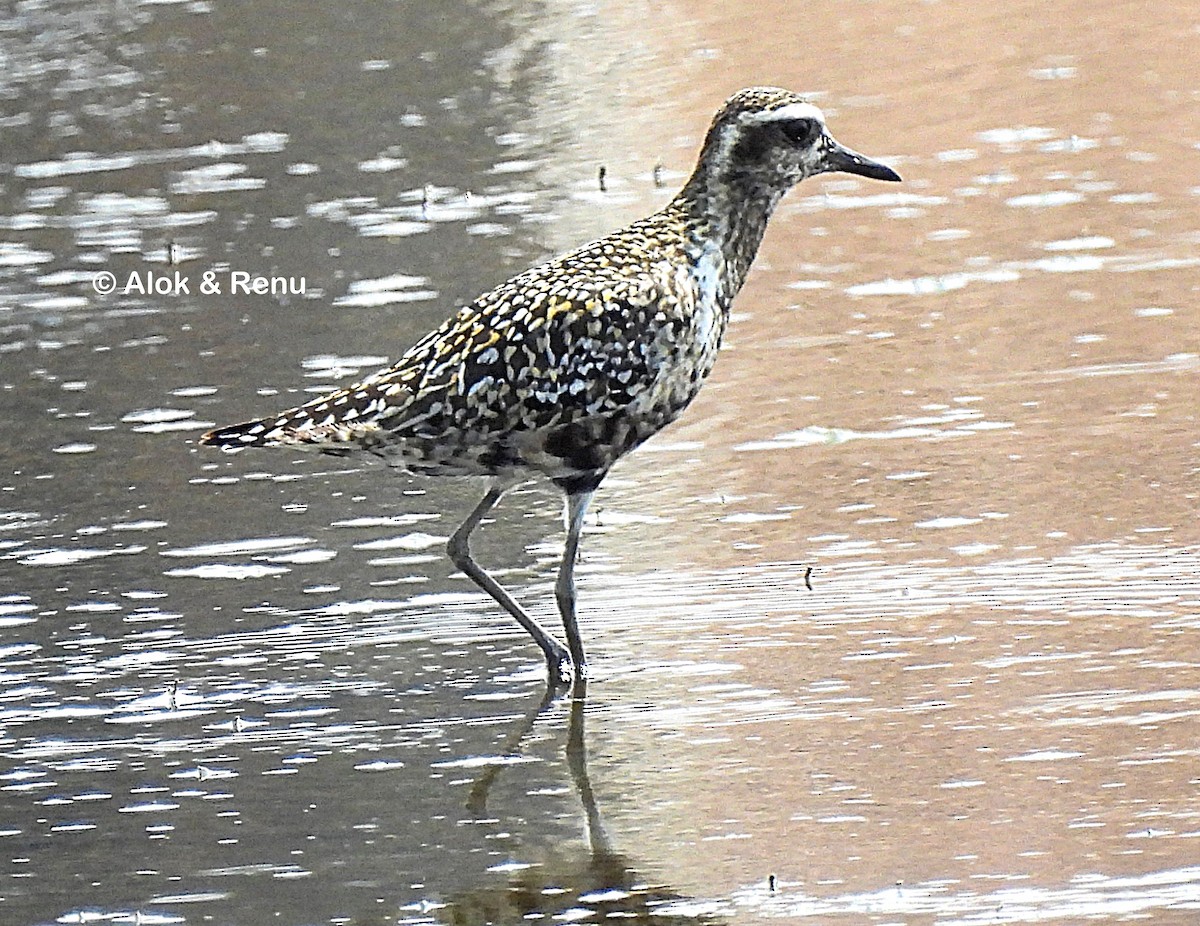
[(902, 613)]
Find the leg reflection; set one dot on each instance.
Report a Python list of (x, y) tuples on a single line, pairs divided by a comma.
[(478, 796), (553, 875), (597, 836)]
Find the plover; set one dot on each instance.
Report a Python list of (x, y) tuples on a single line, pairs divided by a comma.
[(565, 368)]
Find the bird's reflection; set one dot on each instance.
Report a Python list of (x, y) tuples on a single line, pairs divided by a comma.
[(587, 877)]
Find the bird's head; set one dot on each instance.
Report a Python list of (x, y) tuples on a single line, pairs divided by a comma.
[(772, 138)]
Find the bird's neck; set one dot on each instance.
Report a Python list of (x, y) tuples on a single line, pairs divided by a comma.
[(728, 213)]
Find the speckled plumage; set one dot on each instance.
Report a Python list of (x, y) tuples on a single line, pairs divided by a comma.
[(560, 370), (568, 366)]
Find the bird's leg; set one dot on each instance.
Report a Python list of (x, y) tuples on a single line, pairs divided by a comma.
[(564, 588), (557, 658)]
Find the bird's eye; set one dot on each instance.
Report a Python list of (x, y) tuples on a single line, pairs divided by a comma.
[(800, 132)]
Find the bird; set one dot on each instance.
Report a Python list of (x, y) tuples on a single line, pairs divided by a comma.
[(563, 369)]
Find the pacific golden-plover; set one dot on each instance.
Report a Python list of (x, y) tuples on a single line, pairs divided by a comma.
[(565, 368)]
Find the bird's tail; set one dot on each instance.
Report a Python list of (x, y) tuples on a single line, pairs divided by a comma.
[(245, 434), (322, 424)]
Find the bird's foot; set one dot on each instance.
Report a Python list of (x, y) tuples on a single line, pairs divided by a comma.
[(566, 673), (560, 668)]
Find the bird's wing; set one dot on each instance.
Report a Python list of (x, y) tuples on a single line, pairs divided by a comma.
[(530, 354), (543, 356)]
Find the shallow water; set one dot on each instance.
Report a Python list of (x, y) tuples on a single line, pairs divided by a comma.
[(903, 613)]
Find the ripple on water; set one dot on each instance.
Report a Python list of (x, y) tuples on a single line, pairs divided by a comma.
[(924, 286), (1015, 135), (239, 547), (222, 177), (334, 366), (948, 424), (1085, 243), (955, 903), (162, 420), (82, 162), (388, 290), (227, 571), (136, 916), (70, 556)]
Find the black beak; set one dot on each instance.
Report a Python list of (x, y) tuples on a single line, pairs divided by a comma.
[(840, 158)]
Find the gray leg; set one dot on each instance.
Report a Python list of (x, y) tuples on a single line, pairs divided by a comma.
[(564, 588), (459, 551)]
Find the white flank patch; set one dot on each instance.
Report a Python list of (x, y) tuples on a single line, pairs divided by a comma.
[(708, 279)]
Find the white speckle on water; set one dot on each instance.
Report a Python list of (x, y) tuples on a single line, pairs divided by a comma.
[(417, 540), (240, 547), (1086, 243), (957, 154), (157, 415), (975, 549), (750, 517), (484, 762), (1014, 136), (302, 557), (509, 867), (1045, 200), (382, 164), (148, 807), (925, 286), (948, 234), (1054, 73), (950, 521), (144, 525), (1045, 755), (379, 765), (1134, 199), (226, 571), (19, 254), (70, 557)]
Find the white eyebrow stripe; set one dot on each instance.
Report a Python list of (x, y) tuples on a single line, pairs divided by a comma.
[(787, 112)]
